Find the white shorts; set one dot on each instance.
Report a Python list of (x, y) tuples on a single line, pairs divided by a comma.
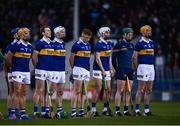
[(145, 72), (58, 77), (98, 75), (9, 78), (43, 74), (21, 77), (81, 74)]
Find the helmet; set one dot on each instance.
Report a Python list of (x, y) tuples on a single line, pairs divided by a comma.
[(144, 28), (127, 30), (14, 31), (102, 30), (58, 29), (22, 32)]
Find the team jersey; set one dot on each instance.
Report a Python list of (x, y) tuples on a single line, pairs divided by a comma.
[(122, 55), (82, 53), (104, 48), (45, 57), (8, 49), (59, 55), (22, 53), (145, 49)]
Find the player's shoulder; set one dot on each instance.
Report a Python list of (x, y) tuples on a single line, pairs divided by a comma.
[(78, 42)]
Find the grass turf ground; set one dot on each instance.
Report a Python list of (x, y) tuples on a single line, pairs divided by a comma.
[(165, 113)]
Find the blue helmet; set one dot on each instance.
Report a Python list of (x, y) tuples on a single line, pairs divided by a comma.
[(14, 31)]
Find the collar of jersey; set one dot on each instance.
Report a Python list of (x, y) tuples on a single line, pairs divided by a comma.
[(103, 40), (57, 40), (145, 40), (82, 41), (22, 42), (15, 40), (46, 40)]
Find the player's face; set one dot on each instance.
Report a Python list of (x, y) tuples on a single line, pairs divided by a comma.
[(27, 36), (47, 32), (148, 33), (85, 37), (61, 34), (106, 34), (129, 36)]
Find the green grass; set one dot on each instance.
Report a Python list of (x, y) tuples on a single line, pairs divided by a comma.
[(165, 113)]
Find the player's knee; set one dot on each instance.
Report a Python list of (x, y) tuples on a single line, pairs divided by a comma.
[(148, 91), (23, 93), (128, 93), (141, 91), (59, 93), (17, 91)]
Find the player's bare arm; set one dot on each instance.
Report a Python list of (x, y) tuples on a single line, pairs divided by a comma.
[(98, 60), (134, 60), (71, 60)]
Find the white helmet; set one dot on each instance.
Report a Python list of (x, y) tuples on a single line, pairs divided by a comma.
[(58, 29), (102, 30)]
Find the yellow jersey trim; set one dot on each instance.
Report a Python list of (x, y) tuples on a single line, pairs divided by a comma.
[(46, 52), (59, 52), (105, 53), (22, 55), (83, 53), (146, 51)]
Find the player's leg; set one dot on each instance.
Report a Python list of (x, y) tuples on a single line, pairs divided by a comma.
[(10, 91), (15, 98), (77, 87), (95, 97), (127, 98), (107, 95), (147, 97), (119, 92), (22, 104), (140, 91), (98, 87), (148, 90), (9, 98), (39, 96), (59, 97)]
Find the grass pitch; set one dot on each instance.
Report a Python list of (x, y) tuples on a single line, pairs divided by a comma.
[(165, 113)]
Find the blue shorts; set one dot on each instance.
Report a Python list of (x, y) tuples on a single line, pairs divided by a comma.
[(121, 73)]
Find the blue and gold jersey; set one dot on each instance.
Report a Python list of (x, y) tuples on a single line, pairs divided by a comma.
[(82, 53), (45, 57), (122, 54), (22, 53), (59, 55), (104, 48), (145, 51)]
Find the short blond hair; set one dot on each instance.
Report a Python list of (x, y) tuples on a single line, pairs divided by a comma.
[(144, 28), (22, 32)]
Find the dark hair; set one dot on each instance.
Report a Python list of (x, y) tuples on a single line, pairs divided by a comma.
[(42, 29), (87, 31)]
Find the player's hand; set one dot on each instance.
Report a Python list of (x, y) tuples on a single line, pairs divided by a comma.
[(112, 72), (103, 73)]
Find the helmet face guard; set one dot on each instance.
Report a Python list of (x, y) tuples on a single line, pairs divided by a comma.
[(60, 29), (102, 30)]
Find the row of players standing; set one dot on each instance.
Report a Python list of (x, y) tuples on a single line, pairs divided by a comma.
[(49, 61)]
